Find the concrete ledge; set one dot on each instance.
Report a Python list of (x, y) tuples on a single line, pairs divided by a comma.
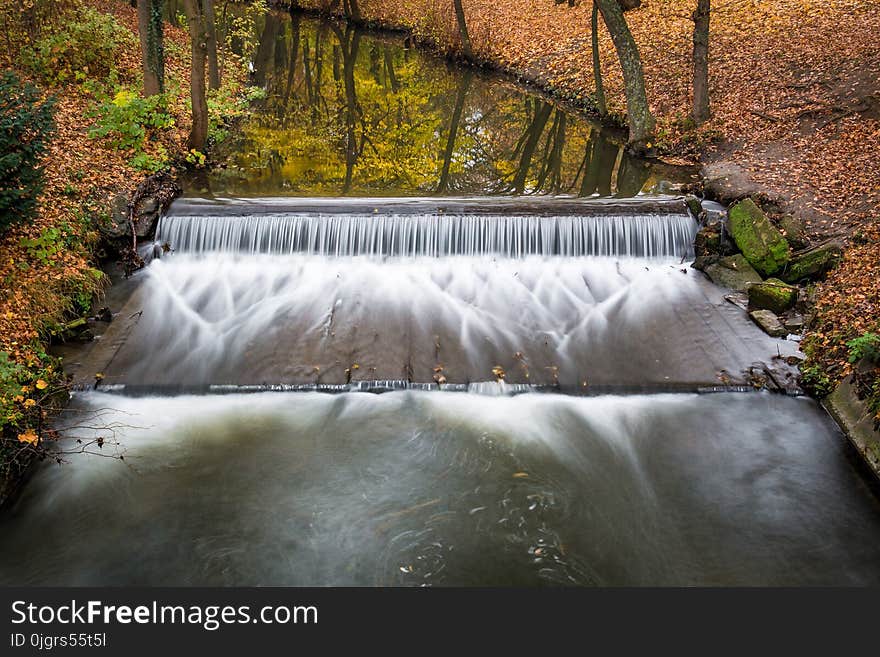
[(546, 206), (854, 419)]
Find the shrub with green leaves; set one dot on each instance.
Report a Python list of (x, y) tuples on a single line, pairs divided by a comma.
[(26, 124), (866, 346), (84, 45), (129, 120), (12, 376)]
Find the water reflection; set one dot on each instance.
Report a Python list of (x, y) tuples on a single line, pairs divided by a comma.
[(354, 112)]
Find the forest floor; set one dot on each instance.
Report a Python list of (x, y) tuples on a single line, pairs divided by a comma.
[(795, 93)]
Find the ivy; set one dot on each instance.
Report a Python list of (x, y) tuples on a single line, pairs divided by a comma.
[(26, 125)]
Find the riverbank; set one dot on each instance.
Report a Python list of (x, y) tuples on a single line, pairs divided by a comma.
[(796, 115), (51, 266)]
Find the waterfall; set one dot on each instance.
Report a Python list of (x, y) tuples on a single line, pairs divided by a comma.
[(432, 235)]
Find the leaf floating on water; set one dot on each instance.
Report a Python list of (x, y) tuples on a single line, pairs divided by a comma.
[(99, 375), (499, 372), (520, 475)]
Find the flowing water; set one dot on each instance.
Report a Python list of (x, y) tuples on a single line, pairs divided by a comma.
[(414, 488), (475, 315)]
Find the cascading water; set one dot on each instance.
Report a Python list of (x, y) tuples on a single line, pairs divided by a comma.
[(577, 295), (411, 236)]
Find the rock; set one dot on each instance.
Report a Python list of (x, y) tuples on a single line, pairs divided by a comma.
[(769, 323), (700, 263), (794, 323), (104, 315), (118, 224), (733, 272), (146, 216), (712, 239), (738, 299), (760, 242), (728, 182), (773, 295), (694, 205), (814, 263), (794, 232), (856, 420)]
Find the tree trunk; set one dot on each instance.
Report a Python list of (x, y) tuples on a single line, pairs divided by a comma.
[(199, 133), (536, 129), (307, 70), (597, 65), (641, 122), (352, 10), (149, 14), (348, 45), (453, 130), (389, 71), (211, 44), (463, 30), (701, 62), (265, 50)]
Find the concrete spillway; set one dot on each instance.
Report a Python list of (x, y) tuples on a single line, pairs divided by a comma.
[(566, 294)]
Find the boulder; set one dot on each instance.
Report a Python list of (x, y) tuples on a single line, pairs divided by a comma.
[(728, 182), (146, 216), (794, 231), (773, 295), (769, 323), (760, 242), (734, 272), (118, 226), (814, 263), (794, 323)]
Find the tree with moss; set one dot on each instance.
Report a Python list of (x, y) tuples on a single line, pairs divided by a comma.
[(150, 31)]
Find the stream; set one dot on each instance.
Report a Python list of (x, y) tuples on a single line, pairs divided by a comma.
[(564, 401)]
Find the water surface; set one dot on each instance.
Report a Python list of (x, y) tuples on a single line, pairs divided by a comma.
[(451, 489), (349, 111)]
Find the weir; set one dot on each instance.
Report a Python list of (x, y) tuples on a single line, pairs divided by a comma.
[(422, 227), (350, 294)]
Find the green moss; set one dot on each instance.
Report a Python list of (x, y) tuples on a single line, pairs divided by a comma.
[(762, 245), (773, 295), (814, 263)]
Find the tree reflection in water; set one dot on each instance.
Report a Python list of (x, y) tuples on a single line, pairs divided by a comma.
[(354, 112)]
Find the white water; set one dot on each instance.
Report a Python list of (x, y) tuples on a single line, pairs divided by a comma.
[(448, 488), (415, 235), (221, 319)]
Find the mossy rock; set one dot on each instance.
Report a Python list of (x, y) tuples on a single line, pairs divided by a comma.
[(734, 272), (814, 263), (760, 242), (773, 295)]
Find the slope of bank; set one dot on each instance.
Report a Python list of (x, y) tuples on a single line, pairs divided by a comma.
[(84, 54)]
